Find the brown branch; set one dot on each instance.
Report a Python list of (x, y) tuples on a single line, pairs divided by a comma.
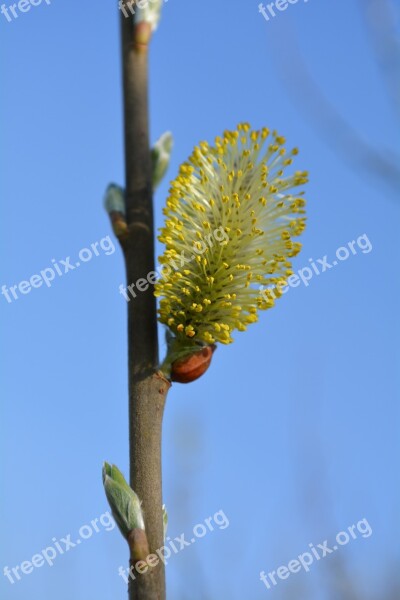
[(147, 387)]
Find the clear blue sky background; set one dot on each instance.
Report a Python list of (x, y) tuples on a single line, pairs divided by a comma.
[(294, 431)]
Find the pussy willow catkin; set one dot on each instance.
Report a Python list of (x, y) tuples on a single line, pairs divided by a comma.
[(239, 188)]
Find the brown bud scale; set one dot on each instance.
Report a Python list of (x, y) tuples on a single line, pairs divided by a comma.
[(190, 368)]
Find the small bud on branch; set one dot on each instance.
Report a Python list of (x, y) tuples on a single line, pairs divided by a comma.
[(124, 503), (146, 22), (114, 203), (161, 156)]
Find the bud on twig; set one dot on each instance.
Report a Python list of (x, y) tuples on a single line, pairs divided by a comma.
[(165, 520), (146, 21), (160, 156), (114, 203), (124, 503)]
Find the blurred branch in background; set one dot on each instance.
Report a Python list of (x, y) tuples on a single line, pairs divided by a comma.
[(323, 116), (380, 18), (337, 578), (188, 459)]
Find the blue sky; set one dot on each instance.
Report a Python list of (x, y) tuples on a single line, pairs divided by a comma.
[(292, 432)]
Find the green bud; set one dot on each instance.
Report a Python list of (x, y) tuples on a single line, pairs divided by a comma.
[(115, 474), (150, 13), (114, 199), (124, 503), (161, 155), (165, 520)]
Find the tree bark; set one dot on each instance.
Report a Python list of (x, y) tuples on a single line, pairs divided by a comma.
[(147, 387)]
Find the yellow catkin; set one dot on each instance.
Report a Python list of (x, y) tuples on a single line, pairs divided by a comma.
[(232, 214)]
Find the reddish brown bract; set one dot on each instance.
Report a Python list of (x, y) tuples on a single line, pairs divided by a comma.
[(190, 368)]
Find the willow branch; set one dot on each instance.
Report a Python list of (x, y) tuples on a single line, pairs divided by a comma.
[(147, 387)]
